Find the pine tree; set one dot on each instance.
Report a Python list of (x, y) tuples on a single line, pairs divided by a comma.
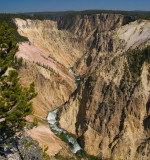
[(15, 100)]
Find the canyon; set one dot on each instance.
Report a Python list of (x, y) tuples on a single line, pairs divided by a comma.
[(108, 112)]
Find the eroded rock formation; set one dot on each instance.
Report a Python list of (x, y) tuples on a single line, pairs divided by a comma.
[(109, 111)]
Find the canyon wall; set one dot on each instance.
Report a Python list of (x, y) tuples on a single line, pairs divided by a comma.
[(48, 55), (54, 47), (85, 25), (62, 46), (46, 59), (109, 110)]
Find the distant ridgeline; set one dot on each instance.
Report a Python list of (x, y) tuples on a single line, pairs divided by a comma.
[(9, 19), (136, 14), (65, 15)]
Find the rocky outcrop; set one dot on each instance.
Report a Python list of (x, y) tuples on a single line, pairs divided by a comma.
[(25, 148), (47, 139), (62, 46), (53, 90), (91, 28), (46, 59), (130, 36), (109, 111), (48, 55), (57, 48), (85, 25)]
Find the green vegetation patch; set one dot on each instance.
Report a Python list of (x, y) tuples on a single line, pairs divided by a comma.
[(45, 156), (87, 156), (136, 14), (60, 157), (136, 58), (9, 19)]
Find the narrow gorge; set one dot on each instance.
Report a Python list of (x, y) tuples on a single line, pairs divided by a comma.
[(108, 55)]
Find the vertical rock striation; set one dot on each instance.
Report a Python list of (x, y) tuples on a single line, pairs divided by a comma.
[(109, 111)]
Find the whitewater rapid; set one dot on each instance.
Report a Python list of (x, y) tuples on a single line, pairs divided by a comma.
[(52, 120)]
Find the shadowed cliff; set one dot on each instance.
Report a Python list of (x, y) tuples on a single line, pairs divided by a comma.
[(109, 111)]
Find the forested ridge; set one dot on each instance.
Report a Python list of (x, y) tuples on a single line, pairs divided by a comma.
[(136, 14), (15, 100), (9, 19), (67, 14)]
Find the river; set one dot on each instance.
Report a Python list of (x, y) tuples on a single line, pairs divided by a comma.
[(52, 120)]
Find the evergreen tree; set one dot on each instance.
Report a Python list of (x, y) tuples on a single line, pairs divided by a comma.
[(15, 100)]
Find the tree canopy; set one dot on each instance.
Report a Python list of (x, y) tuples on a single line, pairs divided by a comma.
[(15, 100)]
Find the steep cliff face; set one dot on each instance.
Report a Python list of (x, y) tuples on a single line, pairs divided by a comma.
[(109, 111), (53, 89), (46, 59), (89, 27), (115, 42), (48, 55), (85, 25), (62, 46), (56, 48)]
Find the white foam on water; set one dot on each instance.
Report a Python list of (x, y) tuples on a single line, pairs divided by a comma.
[(52, 120), (76, 147), (71, 71)]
